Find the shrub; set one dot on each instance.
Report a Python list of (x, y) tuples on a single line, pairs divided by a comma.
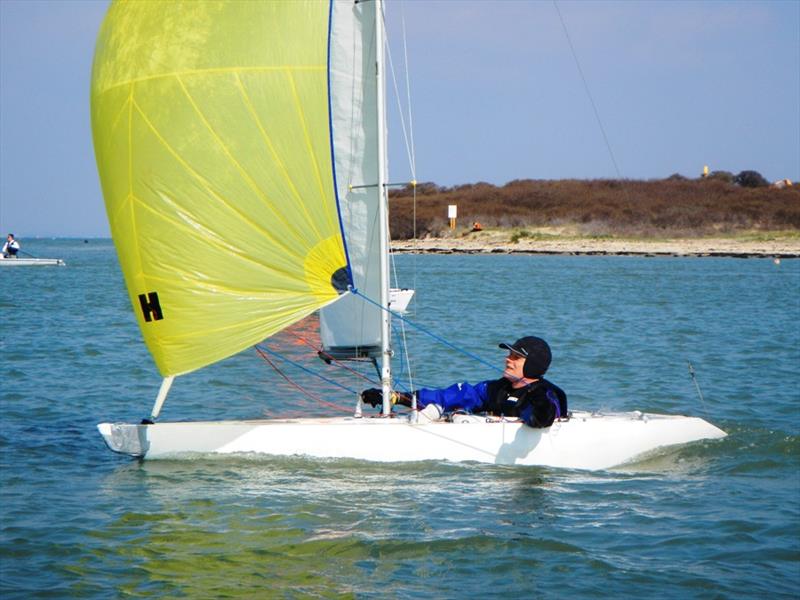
[(751, 179), (725, 176)]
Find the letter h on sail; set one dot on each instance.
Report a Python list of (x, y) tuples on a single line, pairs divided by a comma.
[(151, 308)]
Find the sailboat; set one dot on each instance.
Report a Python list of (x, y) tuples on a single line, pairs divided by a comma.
[(241, 148), (30, 261)]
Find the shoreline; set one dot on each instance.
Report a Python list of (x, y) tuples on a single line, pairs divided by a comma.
[(494, 244)]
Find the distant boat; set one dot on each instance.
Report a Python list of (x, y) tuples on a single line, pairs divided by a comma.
[(241, 150), (31, 262), (399, 298)]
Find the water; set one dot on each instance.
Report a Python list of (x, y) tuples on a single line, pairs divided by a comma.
[(712, 520)]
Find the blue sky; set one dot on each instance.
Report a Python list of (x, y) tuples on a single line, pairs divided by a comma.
[(496, 95)]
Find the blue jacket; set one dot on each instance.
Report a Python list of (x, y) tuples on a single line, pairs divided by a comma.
[(537, 404)]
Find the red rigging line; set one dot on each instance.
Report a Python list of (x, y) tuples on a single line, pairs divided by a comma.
[(295, 385), (334, 360)]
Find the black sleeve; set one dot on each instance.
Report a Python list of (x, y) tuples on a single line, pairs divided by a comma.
[(562, 401), (493, 389), (539, 412)]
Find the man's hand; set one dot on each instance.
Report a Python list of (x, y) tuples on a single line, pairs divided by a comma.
[(374, 397)]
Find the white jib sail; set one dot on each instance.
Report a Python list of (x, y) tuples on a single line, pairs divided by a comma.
[(352, 327)]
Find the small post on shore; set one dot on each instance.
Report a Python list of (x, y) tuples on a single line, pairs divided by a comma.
[(452, 213)]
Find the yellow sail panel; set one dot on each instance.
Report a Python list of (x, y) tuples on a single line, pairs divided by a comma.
[(212, 137)]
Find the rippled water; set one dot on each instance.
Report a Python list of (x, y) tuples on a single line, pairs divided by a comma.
[(710, 520)]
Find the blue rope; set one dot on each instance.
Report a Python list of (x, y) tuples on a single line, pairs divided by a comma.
[(306, 369), (426, 331), (402, 362)]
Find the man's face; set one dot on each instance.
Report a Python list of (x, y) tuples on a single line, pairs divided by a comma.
[(514, 364)]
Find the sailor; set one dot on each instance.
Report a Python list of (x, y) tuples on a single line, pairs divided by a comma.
[(11, 247), (522, 392)]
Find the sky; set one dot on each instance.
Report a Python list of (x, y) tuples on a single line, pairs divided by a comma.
[(499, 91)]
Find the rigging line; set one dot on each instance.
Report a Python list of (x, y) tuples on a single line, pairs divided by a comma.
[(408, 93), (586, 87), (404, 339), (402, 329), (306, 369), (413, 152), (697, 386), (266, 359), (414, 258), (292, 383), (404, 343), (428, 332), (405, 365), (399, 104), (408, 135), (330, 357)]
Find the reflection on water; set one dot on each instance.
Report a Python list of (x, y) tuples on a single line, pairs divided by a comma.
[(311, 525), (347, 527)]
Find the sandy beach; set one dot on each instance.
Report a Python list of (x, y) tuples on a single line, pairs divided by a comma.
[(500, 243)]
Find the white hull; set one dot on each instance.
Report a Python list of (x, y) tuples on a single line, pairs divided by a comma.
[(31, 262), (586, 441)]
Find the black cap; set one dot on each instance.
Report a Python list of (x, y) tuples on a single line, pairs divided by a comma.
[(536, 352)]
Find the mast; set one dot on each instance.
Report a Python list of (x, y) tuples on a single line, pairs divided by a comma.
[(383, 214)]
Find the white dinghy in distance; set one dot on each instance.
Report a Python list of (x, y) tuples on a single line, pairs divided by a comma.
[(245, 180), (399, 299), (31, 262)]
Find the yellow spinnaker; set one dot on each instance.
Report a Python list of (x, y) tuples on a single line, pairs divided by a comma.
[(212, 137)]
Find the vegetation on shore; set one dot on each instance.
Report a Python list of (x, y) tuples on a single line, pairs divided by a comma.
[(675, 207)]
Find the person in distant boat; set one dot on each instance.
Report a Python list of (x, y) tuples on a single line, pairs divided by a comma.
[(522, 392), (11, 247)]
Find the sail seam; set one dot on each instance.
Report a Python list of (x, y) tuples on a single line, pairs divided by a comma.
[(222, 290), (126, 108), (241, 170), (217, 71), (268, 142), (309, 146), (207, 186), (137, 249), (191, 230), (258, 333)]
